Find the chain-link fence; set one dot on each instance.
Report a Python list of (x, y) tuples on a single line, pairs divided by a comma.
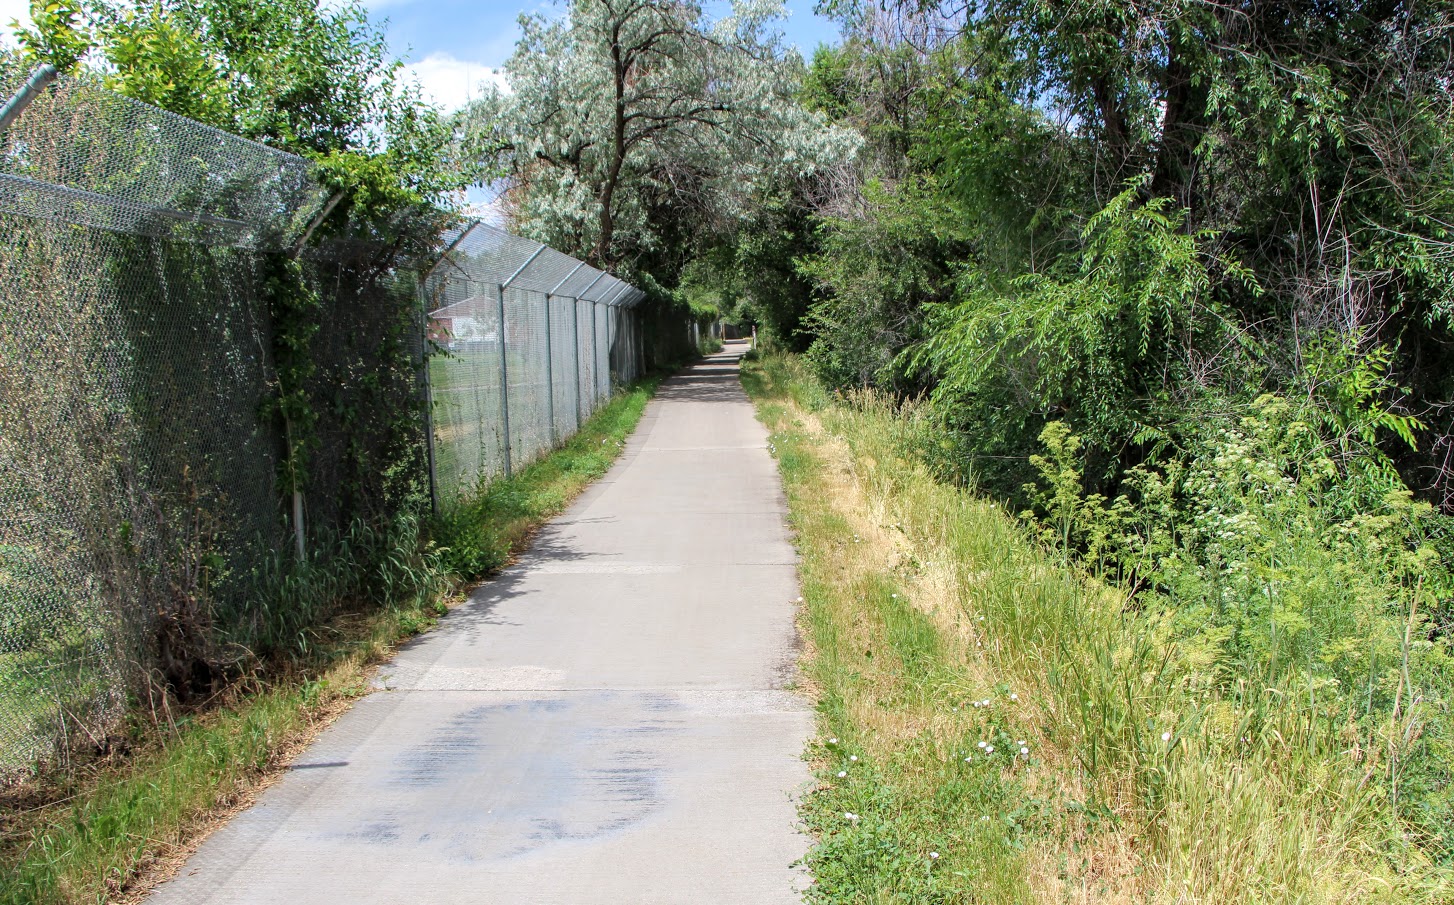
[(143, 449), (533, 341)]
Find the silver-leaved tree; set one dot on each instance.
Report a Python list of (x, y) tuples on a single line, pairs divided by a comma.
[(629, 125)]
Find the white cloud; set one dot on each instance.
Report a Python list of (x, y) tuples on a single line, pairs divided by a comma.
[(450, 83)]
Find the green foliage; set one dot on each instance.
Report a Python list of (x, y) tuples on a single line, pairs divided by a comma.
[(312, 78), (1003, 166), (363, 569), (769, 246), (1353, 388), (294, 308), (1098, 344), (1263, 172), (1278, 569), (57, 34), (307, 77), (877, 274), (160, 60)]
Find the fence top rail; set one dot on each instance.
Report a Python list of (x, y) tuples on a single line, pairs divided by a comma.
[(482, 253)]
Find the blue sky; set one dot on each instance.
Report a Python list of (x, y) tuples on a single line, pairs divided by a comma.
[(453, 45)]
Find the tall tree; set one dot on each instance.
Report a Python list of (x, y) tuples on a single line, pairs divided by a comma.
[(626, 115)]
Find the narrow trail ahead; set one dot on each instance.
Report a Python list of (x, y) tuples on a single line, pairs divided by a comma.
[(606, 722)]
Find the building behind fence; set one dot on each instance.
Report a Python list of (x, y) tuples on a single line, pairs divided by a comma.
[(143, 512)]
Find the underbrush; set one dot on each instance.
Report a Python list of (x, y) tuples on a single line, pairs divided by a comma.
[(1004, 722), (108, 825)]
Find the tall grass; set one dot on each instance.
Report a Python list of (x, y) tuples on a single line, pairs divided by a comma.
[(1139, 781)]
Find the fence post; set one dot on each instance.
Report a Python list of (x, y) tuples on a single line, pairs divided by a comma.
[(504, 367), (504, 376), (620, 290), (575, 322), (550, 360), (550, 373), (428, 400), (595, 360), (298, 544), (29, 91)]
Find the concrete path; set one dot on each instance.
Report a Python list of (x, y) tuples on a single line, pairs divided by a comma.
[(607, 722)]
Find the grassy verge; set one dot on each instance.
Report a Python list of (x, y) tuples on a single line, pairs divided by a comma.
[(996, 726), (481, 534), (109, 829)]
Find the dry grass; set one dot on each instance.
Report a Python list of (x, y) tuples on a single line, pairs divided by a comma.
[(922, 598)]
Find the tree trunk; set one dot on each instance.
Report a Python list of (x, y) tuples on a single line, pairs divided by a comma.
[(1113, 118), (618, 153), (1183, 122)]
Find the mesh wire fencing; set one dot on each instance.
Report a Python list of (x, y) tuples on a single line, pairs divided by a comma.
[(532, 344), (143, 513), (135, 475)]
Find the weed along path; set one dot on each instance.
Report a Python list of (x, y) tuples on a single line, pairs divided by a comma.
[(606, 722)]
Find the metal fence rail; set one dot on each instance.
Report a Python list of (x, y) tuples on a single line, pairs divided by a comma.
[(139, 464)]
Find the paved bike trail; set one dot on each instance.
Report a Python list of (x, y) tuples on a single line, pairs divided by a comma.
[(609, 721)]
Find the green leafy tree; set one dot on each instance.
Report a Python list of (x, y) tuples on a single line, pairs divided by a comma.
[(312, 78)]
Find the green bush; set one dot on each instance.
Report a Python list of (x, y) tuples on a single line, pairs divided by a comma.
[(1295, 582)]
